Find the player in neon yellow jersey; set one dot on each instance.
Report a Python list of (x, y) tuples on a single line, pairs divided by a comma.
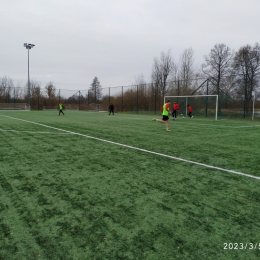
[(165, 114), (60, 109)]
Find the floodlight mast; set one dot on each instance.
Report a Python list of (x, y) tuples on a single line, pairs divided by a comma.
[(28, 46)]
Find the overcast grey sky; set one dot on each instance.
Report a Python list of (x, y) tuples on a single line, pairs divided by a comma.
[(115, 40)]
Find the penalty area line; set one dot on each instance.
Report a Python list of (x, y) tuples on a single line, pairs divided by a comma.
[(140, 149)]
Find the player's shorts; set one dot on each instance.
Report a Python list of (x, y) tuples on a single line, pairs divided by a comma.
[(165, 118)]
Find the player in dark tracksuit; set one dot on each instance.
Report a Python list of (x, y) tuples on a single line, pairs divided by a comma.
[(111, 109)]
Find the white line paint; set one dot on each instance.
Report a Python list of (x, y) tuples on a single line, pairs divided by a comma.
[(32, 132), (190, 123), (224, 126), (140, 149), (246, 126)]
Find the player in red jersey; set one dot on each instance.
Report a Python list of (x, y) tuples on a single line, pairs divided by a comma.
[(190, 111), (175, 108)]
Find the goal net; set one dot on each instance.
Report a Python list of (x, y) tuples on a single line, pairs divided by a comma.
[(97, 107), (202, 105), (14, 106)]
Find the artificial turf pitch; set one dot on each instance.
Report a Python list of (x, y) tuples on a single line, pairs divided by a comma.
[(70, 189)]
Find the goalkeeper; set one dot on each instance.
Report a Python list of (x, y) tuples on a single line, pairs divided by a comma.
[(165, 114), (175, 108)]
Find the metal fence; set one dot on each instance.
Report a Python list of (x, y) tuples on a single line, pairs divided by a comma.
[(141, 98)]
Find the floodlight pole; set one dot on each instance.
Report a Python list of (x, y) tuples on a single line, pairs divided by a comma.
[(29, 87), (28, 46)]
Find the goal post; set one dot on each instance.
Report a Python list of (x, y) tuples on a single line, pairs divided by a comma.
[(203, 105), (14, 106)]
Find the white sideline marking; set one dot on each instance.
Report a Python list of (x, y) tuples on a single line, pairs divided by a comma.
[(140, 149), (31, 132)]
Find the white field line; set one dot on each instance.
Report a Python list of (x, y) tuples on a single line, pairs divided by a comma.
[(225, 126), (180, 119), (140, 149), (246, 126), (14, 110), (31, 132), (134, 118)]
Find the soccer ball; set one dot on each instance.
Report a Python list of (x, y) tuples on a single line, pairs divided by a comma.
[(181, 114)]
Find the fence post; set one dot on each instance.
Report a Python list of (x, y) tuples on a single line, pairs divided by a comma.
[(207, 98), (14, 97), (253, 104), (155, 97), (245, 96), (109, 96), (136, 98), (79, 99), (122, 99)]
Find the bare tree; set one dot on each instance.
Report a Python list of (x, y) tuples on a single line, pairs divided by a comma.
[(36, 93), (18, 92), (247, 62), (143, 92), (218, 68), (162, 71), (6, 88), (218, 63), (50, 90), (186, 70), (140, 80), (35, 88)]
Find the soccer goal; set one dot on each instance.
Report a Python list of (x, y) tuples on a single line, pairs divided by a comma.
[(203, 105), (14, 106)]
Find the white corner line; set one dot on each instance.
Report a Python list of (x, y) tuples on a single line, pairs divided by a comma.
[(142, 150)]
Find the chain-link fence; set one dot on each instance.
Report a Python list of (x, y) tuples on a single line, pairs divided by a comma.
[(236, 97)]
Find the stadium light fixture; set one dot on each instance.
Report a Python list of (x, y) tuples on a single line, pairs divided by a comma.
[(28, 46)]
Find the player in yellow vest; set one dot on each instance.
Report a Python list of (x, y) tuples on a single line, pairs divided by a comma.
[(165, 114), (60, 109)]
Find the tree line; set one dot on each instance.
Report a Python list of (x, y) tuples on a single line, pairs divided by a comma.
[(233, 73), (11, 93)]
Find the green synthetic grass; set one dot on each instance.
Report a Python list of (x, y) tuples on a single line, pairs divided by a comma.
[(67, 196)]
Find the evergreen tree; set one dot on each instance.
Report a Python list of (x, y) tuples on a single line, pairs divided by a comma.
[(96, 90)]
